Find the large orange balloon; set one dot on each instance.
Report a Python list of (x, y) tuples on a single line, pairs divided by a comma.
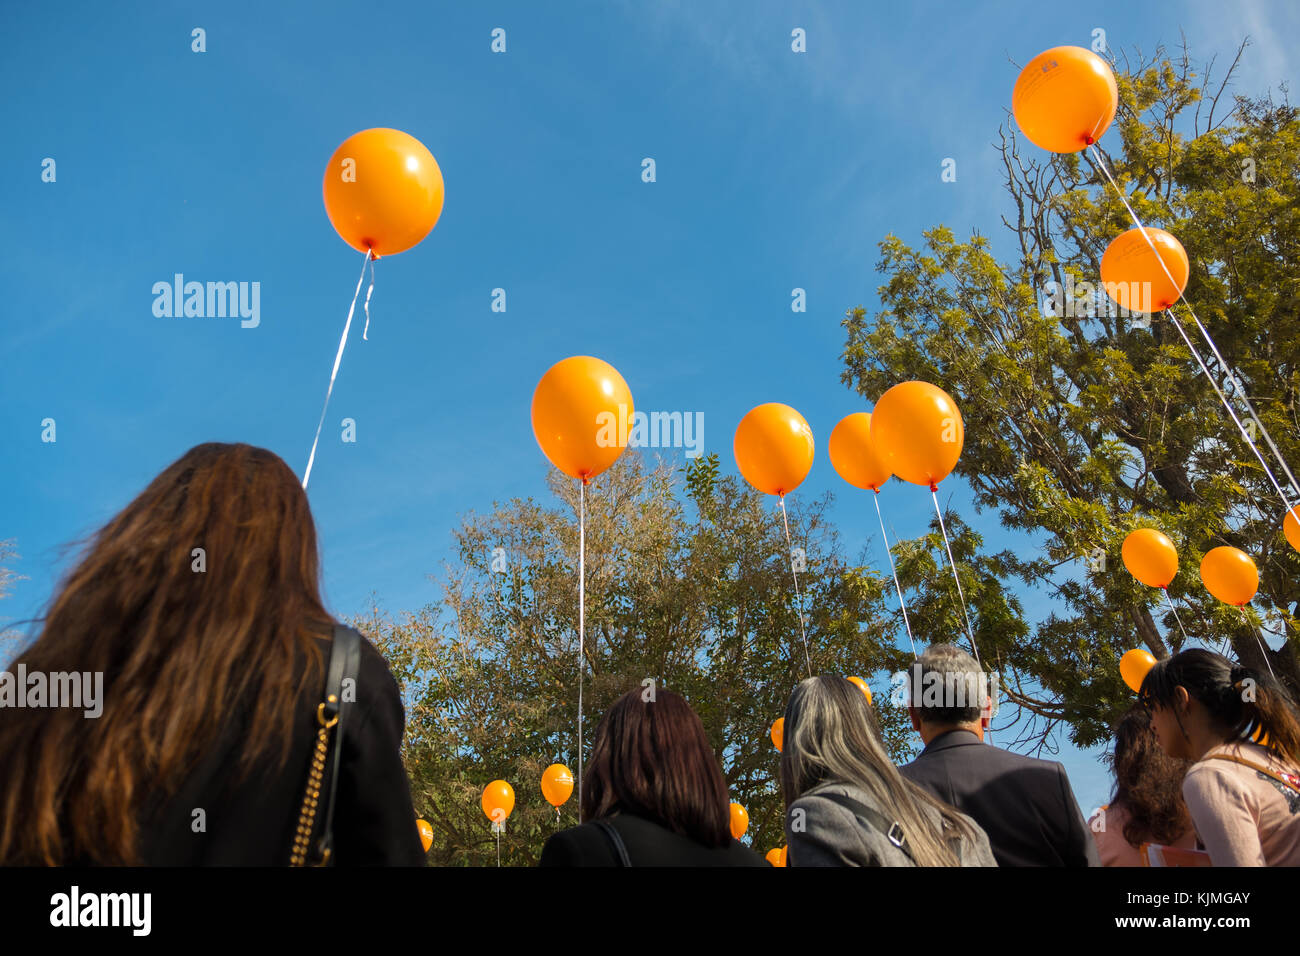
[(1291, 527), (557, 784), (917, 428), (774, 448), (1065, 98), (1150, 557), (498, 800), (862, 686), (1133, 667), (582, 413), (778, 732), (383, 191), (739, 820), (426, 834), (854, 456), (1230, 575), (1133, 274)]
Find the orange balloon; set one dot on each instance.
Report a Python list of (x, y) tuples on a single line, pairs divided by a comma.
[(1150, 557), (739, 820), (1065, 98), (774, 448), (854, 456), (426, 833), (785, 856), (862, 686), (1230, 575), (774, 856), (582, 411), (917, 428), (498, 800), (1134, 275), (778, 732), (1133, 667), (383, 191), (1291, 527), (557, 784)]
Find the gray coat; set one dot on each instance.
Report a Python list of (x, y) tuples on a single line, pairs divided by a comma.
[(828, 833)]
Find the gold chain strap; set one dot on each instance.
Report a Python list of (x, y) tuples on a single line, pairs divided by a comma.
[(307, 816)]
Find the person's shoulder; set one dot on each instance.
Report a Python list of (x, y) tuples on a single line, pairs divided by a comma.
[(831, 801), (826, 793), (577, 845)]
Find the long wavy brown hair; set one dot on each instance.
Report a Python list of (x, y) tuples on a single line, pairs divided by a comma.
[(1148, 783), (180, 648)]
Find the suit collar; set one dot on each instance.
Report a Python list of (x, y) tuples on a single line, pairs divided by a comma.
[(950, 739)]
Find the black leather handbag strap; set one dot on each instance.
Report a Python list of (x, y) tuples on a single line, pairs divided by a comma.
[(890, 828), (332, 719), (620, 849), (345, 661)]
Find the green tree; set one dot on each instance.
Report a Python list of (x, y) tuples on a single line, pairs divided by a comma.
[(688, 583), (1084, 426)]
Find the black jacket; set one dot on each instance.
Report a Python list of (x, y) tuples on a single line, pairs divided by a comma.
[(252, 822), (648, 842), (1024, 805)]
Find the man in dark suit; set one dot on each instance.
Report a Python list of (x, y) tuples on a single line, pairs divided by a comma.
[(1024, 805)]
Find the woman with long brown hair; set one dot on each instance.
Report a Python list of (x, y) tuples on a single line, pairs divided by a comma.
[(1147, 805), (200, 606), (653, 794)]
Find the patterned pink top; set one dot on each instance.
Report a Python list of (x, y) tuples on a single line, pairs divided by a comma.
[(1244, 817)]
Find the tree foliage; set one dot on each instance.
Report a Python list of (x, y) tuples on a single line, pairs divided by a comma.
[(1084, 426), (689, 583)]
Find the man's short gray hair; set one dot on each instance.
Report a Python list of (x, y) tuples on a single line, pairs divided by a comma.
[(959, 685)]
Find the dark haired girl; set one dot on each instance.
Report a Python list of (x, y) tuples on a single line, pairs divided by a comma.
[(1147, 806), (652, 795), (1243, 795)]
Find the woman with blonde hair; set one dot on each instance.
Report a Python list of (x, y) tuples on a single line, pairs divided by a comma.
[(846, 802)]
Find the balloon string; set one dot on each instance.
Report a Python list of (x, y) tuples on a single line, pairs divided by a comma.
[(789, 545), (962, 597), (1170, 602), (897, 587), (582, 621), (366, 329), (1101, 164), (338, 358), (498, 848), (1262, 649)]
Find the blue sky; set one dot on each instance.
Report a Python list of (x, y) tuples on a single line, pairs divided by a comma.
[(775, 170)]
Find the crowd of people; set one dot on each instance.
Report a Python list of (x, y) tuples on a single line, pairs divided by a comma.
[(216, 720)]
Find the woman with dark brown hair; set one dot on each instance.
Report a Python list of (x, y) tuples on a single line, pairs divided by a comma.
[(652, 794), (199, 605), (1147, 806), (1241, 730)]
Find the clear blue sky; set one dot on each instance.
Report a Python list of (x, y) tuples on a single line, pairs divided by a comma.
[(775, 170)]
